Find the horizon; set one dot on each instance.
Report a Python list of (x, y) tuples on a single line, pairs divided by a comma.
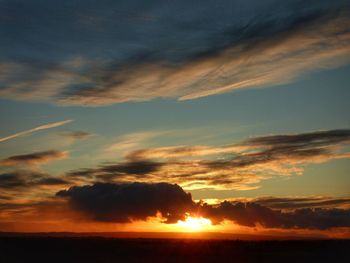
[(172, 235)]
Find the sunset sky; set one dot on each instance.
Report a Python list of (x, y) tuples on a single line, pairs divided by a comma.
[(170, 115)]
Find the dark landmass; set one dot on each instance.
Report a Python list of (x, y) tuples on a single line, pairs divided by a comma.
[(61, 248), (164, 235)]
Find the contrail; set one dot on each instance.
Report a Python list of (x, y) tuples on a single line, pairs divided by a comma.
[(42, 127)]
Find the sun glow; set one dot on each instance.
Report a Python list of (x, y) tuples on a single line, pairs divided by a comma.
[(194, 224)]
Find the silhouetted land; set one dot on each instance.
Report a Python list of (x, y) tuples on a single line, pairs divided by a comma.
[(102, 249)]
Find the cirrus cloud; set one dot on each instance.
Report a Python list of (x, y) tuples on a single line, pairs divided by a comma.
[(39, 128), (233, 53)]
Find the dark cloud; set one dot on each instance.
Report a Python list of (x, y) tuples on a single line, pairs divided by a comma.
[(127, 202), (106, 52), (296, 147), (293, 203), (51, 181), (138, 201), (235, 166), (13, 180), (5, 197), (20, 179), (108, 172), (304, 140), (253, 214), (33, 158), (137, 167), (77, 135)]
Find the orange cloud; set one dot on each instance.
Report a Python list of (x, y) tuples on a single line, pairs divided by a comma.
[(238, 166)]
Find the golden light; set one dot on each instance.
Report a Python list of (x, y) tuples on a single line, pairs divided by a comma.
[(193, 224)]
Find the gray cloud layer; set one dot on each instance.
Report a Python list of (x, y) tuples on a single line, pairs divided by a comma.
[(179, 50)]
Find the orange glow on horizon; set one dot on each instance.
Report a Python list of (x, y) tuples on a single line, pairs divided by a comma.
[(194, 224)]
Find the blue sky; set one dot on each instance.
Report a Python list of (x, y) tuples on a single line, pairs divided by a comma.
[(311, 103)]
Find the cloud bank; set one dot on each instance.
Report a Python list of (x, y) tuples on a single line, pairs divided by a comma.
[(137, 201)]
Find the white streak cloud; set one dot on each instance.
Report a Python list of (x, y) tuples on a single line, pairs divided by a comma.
[(39, 128)]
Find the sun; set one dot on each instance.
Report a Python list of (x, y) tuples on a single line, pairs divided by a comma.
[(194, 224)]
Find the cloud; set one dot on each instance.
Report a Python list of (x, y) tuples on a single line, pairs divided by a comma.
[(35, 158), (239, 166), (26, 180), (312, 139), (288, 203), (39, 128), (111, 171), (133, 141), (308, 45), (128, 202), (207, 52), (137, 201), (182, 151), (253, 214), (77, 135), (293, 144)]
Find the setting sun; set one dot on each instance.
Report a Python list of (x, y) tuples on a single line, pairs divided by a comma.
[(193, 224)]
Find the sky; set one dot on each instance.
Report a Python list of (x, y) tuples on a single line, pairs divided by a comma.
[(227, 116)]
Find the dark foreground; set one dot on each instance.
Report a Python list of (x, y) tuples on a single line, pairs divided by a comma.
[(100, 250)]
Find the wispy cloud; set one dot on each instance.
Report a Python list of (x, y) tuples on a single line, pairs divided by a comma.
[(132, 141), (39, 128), (239, 166), (77, 135), (28, 185), (21, 181), (290, 203), (33, 158), (235, 54)]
